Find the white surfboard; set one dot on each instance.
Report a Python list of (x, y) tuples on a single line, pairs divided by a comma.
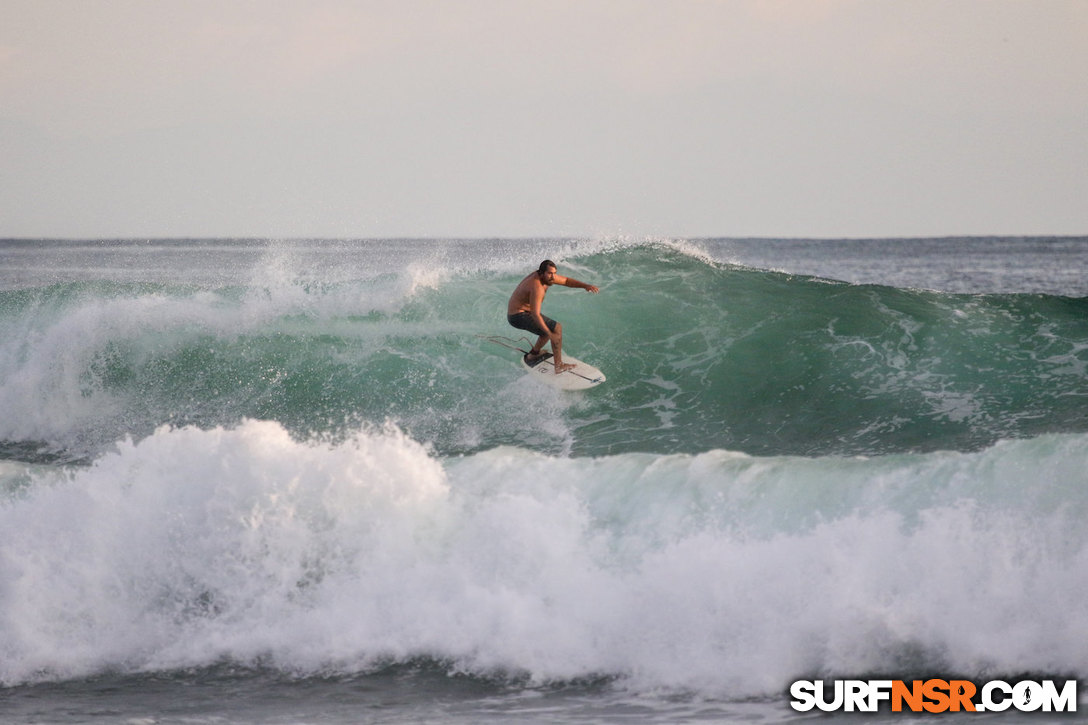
[(582, 376)]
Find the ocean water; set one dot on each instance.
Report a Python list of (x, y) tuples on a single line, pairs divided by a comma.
[(293, 481)]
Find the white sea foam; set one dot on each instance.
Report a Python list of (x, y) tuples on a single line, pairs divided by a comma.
[(719, 573)]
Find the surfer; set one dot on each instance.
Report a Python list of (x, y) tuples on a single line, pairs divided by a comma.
[(523, 311)]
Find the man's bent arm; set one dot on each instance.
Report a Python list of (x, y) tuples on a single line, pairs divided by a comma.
[(536, 300)]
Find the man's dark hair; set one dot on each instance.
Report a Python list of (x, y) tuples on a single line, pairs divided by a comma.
[(544, 266)]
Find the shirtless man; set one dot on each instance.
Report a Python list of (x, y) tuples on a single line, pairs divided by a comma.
[(523, 311)]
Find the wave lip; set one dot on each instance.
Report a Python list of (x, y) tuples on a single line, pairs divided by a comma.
[(717, 573)]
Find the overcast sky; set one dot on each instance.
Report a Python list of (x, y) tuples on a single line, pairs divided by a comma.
[(368, 118)]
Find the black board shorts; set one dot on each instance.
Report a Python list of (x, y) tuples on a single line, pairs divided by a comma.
[(525, 321)]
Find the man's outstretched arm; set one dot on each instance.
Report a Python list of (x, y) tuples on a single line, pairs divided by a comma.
[(571, 282)]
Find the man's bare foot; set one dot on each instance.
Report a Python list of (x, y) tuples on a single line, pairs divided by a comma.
[(563, 367)]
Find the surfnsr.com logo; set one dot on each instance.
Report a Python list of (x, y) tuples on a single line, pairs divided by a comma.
[(933, 695)]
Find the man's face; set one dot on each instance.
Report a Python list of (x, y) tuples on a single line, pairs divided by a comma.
[(547, 277)]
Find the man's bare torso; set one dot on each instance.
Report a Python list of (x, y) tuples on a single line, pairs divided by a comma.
[(522, 298)]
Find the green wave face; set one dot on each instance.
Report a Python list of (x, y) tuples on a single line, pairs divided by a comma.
[(699, 355)]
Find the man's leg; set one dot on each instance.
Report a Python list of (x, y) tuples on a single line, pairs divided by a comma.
[(538, 349), (557, 350)]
